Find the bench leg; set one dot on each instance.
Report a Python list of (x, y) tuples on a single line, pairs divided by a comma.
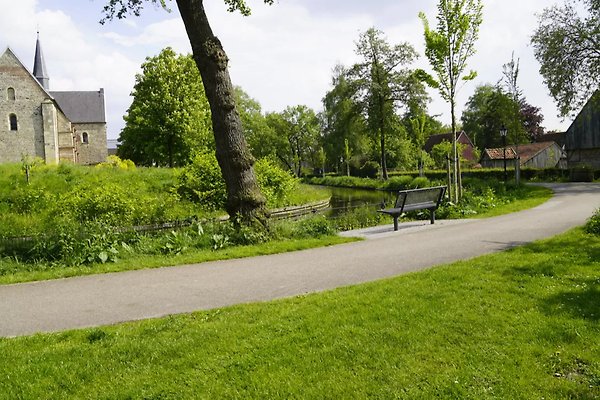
[(432, 217), (395, 223)]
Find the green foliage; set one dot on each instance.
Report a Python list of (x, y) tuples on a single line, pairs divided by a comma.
[(370, 169), (448, 48), (169, 117), (486, 111), (382, 83), (441, 151), (202, 182), (565, 33), (592, 226), (275, 183), (357, 218), (315, 227), (294, 138), (113, 161), (344, 125)]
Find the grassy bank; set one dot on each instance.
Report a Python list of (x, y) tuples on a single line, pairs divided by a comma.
[(12, 271), (522, 324)]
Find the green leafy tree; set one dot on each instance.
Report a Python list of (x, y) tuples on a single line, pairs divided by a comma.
[(343, 124), (169, 117), (566, 44), (257, 131), (486, 111), (448, 48), (382, 84), (235, 160), (296, 137)]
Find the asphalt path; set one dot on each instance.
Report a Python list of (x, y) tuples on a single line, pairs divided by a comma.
[(56, 305)]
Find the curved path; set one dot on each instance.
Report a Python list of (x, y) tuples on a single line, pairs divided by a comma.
[(110, 298)]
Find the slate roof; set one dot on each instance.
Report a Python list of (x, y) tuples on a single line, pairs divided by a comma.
[(39, 65), (82, 107), (526, 151)]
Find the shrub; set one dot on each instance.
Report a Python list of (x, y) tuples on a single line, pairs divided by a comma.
[(369, 169), (116, 162), (314, 227), (592, 226), (420, 182), (398, 183), (110, 204), (357, 218), (201, 182), (275, 183)]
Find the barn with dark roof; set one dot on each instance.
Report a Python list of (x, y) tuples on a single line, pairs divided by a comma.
[(582, 139)]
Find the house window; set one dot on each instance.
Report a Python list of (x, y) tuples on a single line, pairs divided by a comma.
[(85, 138), (13, 122), (10, 93)]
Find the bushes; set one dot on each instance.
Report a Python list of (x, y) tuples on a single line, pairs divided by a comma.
[(395, 183), (201, 182), (592, 226), (275, 183)]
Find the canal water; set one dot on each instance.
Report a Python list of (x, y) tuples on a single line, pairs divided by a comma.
[(345, 199)]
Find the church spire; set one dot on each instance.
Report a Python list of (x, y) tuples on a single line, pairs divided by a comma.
[(39, 66)]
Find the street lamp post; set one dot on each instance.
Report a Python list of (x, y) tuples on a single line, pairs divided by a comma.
[(503, 132)]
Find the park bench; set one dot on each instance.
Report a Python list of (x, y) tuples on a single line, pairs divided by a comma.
[(416, 199)]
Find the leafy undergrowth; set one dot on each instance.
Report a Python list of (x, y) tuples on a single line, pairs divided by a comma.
[(523, 324)]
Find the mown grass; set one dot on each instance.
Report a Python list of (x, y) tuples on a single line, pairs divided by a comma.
[(14, 272), (523, 324)]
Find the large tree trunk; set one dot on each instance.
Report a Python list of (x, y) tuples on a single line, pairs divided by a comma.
[(243, 194)]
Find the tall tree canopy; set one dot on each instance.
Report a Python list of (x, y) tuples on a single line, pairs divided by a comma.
[(243, 193), (486, 111), (382, 84), (169, 117), (567, 45), (344, 126), (448, 48), (295, 137)]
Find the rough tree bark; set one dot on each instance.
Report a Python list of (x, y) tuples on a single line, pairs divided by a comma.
[(244, 197)]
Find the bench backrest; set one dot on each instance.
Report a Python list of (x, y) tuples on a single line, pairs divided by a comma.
[(432, 195)]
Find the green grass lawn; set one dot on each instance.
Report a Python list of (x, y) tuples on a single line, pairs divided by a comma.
[(522, 324)]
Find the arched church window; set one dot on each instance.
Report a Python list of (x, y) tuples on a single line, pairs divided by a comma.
[(10, 93), (85, 138), (13, 122)]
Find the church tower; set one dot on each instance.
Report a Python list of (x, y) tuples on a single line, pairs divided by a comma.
[(39, 66)]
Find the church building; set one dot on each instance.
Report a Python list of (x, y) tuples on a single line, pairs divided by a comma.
[(54, 126)]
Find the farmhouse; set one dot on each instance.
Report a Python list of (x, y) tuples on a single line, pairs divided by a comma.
[(533, 155), (37, 122), (582, 140)]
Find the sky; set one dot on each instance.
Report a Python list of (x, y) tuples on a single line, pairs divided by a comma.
[(282, 55)]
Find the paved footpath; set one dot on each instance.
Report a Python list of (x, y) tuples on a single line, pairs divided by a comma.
[(111, 298)]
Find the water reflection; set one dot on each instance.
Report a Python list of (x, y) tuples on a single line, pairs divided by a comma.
[(344, 199)]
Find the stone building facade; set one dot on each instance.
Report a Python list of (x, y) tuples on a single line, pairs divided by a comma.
[(54, 126)]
